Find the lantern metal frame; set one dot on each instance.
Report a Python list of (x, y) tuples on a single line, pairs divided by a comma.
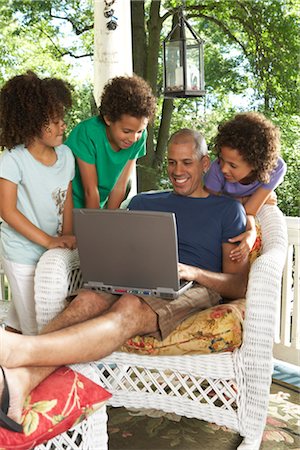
[(183, 90)]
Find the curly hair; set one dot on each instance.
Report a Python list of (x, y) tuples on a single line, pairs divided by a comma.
[(28, 104), (127, 95), (256, 138)]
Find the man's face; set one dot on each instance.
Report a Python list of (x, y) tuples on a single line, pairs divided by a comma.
[(185, 170)]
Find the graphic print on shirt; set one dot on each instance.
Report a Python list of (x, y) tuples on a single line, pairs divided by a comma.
[(59, 196)]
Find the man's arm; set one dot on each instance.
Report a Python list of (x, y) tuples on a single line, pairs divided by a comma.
[(231, 283)]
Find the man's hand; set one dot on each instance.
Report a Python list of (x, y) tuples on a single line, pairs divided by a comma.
[(189, 273)]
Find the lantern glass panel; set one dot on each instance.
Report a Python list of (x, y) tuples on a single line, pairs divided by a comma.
[(193, 75), (173, 66)]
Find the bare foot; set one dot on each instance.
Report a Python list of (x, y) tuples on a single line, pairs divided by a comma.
[(21, 381), (17, 392)]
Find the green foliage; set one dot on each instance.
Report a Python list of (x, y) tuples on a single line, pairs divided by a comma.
[(288, 193), (33, 37), (83, 105)]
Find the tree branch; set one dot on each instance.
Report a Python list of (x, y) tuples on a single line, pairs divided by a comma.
[(62, 53), (77, 30), (225, 29)]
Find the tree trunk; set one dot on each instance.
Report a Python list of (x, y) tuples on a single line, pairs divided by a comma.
[(163, 133), (139, 37), (149, 167)]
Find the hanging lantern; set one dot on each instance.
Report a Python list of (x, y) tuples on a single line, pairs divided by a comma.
[(183, 61)]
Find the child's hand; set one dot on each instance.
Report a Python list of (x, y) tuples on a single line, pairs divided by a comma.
[(65, 241), (247, 241)]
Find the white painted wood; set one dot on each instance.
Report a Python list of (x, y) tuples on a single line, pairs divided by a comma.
[(287, 337), (112, 48)]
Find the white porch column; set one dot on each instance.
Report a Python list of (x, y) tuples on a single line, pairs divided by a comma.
[(112, 48)]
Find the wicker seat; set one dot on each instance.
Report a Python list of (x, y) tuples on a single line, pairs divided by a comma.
[(230, 389)]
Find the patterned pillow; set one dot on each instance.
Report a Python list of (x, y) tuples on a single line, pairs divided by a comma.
[(256, 249), (60, 402), (217, 329)]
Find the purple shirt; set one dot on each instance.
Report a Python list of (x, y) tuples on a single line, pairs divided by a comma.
[(214, 180)]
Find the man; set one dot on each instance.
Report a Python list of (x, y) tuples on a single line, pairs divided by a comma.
[(94, 325)]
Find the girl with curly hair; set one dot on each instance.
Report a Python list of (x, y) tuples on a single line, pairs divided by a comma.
[(36, 171), (107, 146), (248, 168)]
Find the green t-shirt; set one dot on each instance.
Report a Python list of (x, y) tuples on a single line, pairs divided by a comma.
[(88, 141)]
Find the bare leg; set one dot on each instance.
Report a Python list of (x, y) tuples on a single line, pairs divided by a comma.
[(87, 305), (82, 342)]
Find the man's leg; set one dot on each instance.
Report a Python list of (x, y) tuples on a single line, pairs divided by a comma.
[(87, 341), (82, 342), (21, 381), (86, 305)]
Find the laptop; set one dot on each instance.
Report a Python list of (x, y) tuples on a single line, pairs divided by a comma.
[(124, 251)]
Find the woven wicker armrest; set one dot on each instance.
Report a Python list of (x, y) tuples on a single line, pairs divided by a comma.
[(254, 359), (264, 284), (57, 275)]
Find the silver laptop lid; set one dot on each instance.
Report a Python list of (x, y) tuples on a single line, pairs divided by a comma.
[(128, 251)]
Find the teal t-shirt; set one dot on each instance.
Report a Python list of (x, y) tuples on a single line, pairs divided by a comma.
[(41, 195), (88, 141)]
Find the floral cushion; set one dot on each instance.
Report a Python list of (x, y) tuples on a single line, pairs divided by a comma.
[(217, 329), (60, 402), (255, 251)]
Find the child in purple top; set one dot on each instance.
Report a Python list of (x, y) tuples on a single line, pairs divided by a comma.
[(248, 168)]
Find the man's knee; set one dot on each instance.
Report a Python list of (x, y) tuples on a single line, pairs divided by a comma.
[(128, 304), (135, 313)]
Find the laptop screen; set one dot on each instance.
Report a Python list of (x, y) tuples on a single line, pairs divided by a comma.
[(128, 251)]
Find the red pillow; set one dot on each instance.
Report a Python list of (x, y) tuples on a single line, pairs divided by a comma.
[(62, 400)]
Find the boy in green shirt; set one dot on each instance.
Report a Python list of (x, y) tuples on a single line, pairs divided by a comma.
[(107, 146)]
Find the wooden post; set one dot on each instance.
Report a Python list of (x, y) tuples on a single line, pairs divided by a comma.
[(112, 48)]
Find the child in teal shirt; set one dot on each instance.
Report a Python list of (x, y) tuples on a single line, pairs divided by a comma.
[(36, 171)]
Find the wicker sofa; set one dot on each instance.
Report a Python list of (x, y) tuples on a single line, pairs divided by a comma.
[(230, 389)]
